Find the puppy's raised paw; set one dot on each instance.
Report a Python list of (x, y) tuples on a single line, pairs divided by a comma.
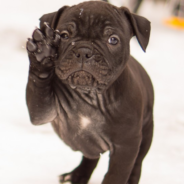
[(42, 49), (44, 44)]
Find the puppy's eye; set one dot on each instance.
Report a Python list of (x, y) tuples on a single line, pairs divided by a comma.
[(65, 35), (113, 40)]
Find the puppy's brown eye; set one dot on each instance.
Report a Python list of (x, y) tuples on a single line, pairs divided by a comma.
[(65, 35), (113, 40)]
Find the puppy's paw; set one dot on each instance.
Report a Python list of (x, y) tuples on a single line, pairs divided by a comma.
[(73, 178), (42, 50)]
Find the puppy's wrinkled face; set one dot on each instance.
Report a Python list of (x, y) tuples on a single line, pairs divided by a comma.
[(94, 46)]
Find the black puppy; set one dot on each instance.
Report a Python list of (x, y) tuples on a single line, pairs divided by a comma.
[(83, 80)]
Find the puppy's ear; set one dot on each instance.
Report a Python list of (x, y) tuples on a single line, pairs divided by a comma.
[(141, 27), (52, 18)]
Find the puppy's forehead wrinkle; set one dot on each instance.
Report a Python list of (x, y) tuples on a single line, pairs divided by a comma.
[(70, 26)]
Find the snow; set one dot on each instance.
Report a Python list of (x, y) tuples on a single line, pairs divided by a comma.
[(34, 154)]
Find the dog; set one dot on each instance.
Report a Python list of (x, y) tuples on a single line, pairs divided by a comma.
[(97, 97)]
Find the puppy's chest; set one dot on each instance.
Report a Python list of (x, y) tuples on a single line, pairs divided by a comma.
[(81, 123), (81, 113)]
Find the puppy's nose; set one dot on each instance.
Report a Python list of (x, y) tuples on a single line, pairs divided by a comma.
[(83, 53)]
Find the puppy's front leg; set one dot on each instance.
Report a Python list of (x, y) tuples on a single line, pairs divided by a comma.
[(121, 163), (42, 51)]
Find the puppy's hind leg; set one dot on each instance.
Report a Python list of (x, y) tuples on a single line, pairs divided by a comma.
[(82, 173), (145, 145)]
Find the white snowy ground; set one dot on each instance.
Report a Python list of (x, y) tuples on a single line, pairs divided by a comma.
[(34, 154)]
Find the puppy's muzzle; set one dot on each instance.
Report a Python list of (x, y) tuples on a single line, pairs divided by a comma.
[(84, 66)]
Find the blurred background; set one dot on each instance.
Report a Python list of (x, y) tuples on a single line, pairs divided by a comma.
[(34, 154)]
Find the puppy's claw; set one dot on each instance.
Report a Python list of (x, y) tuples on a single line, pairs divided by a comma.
[(49, 32), (31, 46), (37, 35), (65, 178), (57, 39), (46, 24)]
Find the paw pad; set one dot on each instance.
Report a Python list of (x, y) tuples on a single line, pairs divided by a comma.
[(44, 44)]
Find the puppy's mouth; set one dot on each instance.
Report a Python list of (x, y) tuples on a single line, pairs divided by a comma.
[(84, 80)]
